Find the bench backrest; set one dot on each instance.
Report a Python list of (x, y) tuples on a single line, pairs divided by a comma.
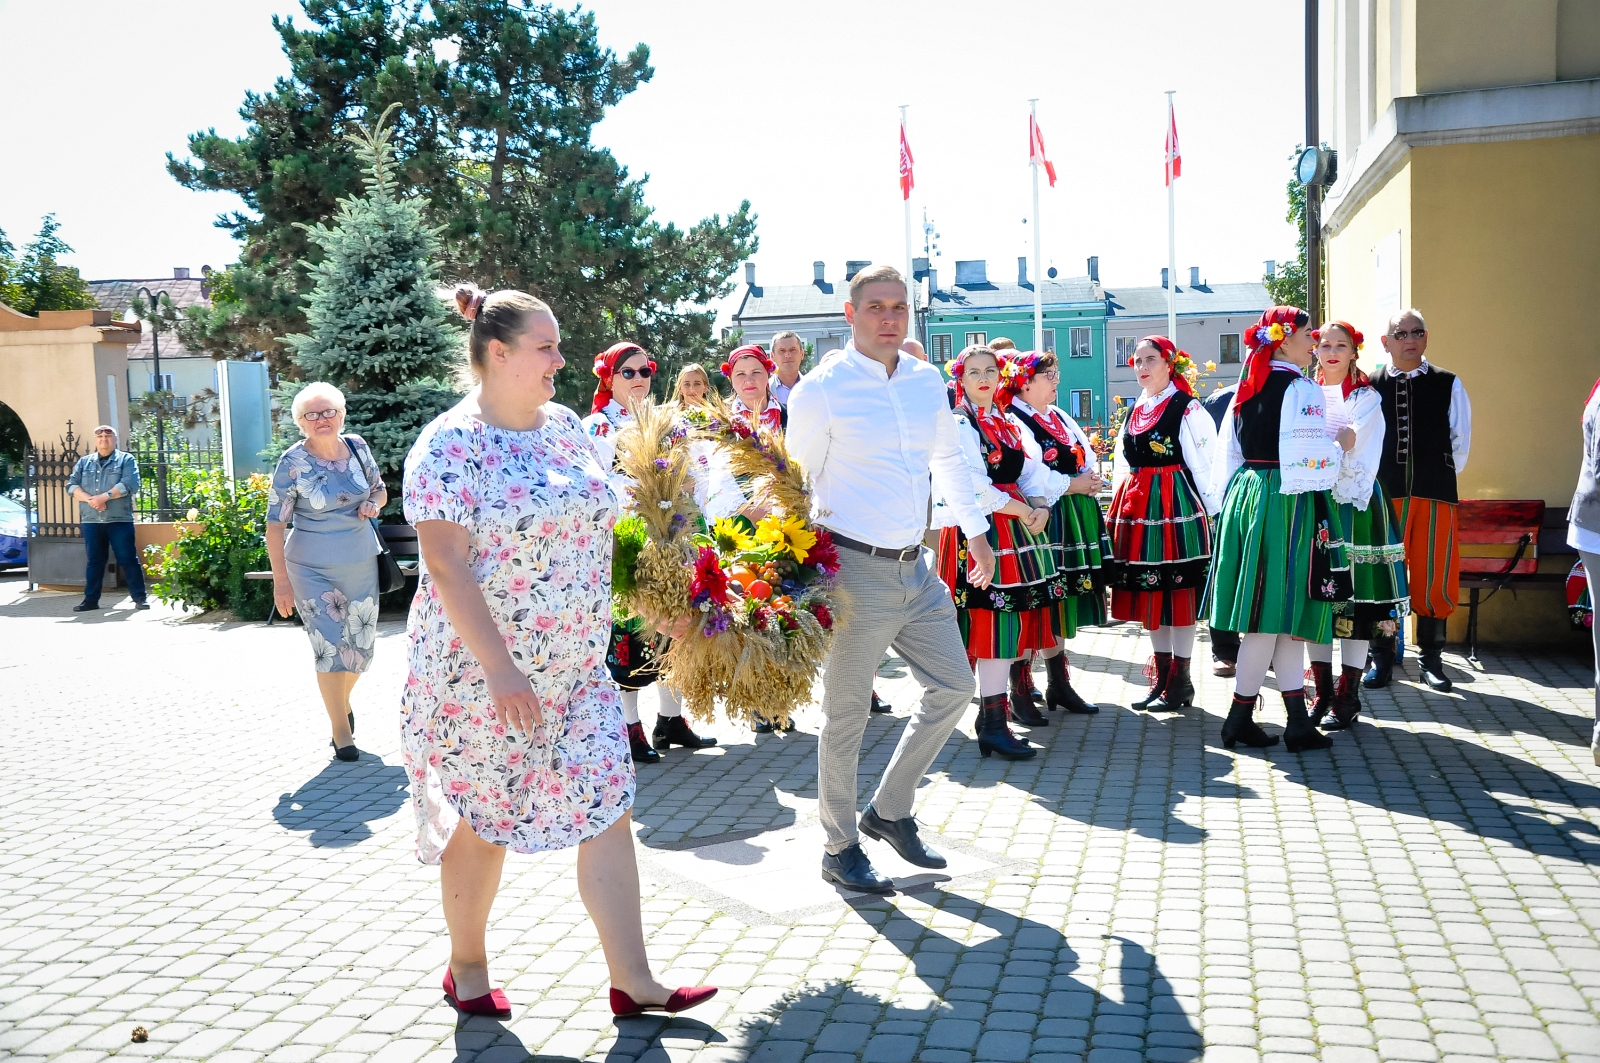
[(402, 539), (1490, 531)]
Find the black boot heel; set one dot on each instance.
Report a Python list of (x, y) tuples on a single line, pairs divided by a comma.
[(1023, 710), (1241, 726), (1160, 665), (1300, 736), (995, 737), (1178, 691), (1058, 691)]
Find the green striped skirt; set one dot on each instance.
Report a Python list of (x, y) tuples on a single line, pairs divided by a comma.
[(1078, 529), (1262, 566), (1377, 566)]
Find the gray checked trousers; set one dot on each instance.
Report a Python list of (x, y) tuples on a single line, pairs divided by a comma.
[(904, 605)]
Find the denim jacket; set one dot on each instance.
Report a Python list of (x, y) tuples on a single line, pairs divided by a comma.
[(96, 477)]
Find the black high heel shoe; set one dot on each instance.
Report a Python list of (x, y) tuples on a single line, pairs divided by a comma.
[(349, 752), (1241, 726), (995, 737)]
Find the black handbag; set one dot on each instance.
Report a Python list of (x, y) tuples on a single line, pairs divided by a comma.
[(390, 578)]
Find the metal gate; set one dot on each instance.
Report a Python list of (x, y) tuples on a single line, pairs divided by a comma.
[(55, 542)]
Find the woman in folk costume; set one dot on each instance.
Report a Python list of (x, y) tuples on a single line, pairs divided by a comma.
[(1160, 535), (749, 370), (1015, 614), (624, 371), (1077, 528), (1377, 553), (1280, 560)]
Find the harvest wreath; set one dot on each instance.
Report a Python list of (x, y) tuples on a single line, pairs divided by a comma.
[(758, 596)]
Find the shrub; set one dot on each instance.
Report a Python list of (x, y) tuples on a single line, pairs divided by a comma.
[(205, 569)]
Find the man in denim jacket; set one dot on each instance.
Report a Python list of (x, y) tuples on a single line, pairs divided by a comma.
[(104, 483)]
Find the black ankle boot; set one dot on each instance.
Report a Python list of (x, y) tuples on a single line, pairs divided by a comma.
[(993, 734), (1178, 693), (1058, 690), (1022, 706), (1028, 686), (1430, 645), (640, 746), (1241, 726), (1299, 735), (1346, 701), (675, 731), (1158, 680), (1319, 699), (1380, 658)]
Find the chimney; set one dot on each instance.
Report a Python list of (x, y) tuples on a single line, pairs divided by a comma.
[(919, 268), (1194, 276), (854, 266), (816, 273), (1163, 276), (1094, 268), (1022, 270), (1272, 268), (933, 280), (750, 274), (973, 271), (180, 273)]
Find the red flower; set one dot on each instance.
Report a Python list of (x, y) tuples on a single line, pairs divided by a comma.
[(824, 556), (994, 456), (1051, 454), (710, 583), (824, 617)]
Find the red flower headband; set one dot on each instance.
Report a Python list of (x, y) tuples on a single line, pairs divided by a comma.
[(605, 366), (1008, 374), (1017, 370), (1263, 339), (1355, 378), (749, 350), (1177, 360)]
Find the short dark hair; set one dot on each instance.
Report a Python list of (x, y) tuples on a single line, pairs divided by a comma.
[(878, 274)]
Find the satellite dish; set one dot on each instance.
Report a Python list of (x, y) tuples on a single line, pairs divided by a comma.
[(1051, 273)]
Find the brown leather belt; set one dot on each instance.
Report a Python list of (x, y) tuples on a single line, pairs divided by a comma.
[(908, 553)]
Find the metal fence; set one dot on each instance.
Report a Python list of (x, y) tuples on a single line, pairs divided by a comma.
[(51, 512), (49, 466), (158, 472)]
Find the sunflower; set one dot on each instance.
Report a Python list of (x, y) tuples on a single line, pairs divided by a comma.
[(788, 534), (730, 537)]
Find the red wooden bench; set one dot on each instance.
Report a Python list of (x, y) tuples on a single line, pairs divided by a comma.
[(1499, 549)]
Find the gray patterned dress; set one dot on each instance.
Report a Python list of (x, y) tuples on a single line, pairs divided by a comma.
[(331, 550)]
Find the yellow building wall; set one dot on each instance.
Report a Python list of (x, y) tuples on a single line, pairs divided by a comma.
[(1475, 44), (1351, 271), (49, 377)]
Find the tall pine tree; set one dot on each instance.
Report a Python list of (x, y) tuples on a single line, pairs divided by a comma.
[(379, 331)]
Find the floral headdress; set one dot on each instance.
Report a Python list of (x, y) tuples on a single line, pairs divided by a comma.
[(1355, 378), (749, 350), (1017, 370), (1263, 339), (1184, 371), (959, 363), (605, 367)]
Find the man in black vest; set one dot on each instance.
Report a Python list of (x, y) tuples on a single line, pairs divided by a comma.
[(1428, 422)]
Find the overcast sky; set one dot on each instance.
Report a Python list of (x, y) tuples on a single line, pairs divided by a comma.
[(794, 108)]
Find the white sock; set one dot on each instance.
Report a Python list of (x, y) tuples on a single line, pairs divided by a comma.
[(1353, 652), (630, 707), (1161, 640), (1182, 641), (994, 676), (1289, 664), (1255, 655), (1320, 651), (668, 703)]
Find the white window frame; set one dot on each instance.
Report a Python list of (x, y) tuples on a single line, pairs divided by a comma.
[(154, 383), (1088, 341), (941, 342), (1049, 336), (975, 339), (1085, 412)]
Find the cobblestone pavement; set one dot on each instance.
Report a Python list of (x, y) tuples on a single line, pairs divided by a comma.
[(181, 853)]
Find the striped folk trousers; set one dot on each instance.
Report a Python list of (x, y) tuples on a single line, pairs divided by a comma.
[(1433, 554)]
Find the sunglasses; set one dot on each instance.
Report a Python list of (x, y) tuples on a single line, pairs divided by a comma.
[(1414, 334), (630, 373), (320, 415)]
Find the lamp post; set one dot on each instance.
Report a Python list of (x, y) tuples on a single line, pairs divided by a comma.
[(163, 504)]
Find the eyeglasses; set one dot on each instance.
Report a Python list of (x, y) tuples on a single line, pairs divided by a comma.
[(1052, 376), (321, 415), (991, 373), (630, 373), (1414, 334)]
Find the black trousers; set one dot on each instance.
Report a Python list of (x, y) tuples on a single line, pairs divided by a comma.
[(98, 541), (1224, 646)]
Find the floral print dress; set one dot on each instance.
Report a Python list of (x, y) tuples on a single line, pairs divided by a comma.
[(539, 510), (331, 551)]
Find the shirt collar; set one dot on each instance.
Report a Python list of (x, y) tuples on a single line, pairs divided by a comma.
[(1278, 363), (872, 365), (1418, 371), (1016, 400), (1147, 401), (615, 412)]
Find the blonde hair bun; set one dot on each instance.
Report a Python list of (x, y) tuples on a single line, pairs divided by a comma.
[(469, 300)]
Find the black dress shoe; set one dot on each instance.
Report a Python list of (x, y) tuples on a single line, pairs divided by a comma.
[(878, 704), (852, 870), (85, 607), (675, 731), (901, 834), (140, 605), (1433, 675), (349, 752), (762, 727)]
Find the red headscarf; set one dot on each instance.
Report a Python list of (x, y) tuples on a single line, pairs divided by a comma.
[(1017, 369), (749, 350), (1172, 356), (1258, 339), (1354, 377), (605, 364)]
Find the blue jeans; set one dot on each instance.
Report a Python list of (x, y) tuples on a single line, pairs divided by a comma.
[(116, 538)]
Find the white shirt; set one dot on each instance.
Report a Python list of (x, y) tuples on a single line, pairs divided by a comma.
[(1362, 413), (1460, 415), (869, 440), (780, 391)]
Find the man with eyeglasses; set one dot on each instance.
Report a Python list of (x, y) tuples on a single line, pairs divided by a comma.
[(103, 484), (1428, 433)]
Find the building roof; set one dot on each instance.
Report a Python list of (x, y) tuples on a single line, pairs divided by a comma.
[(996, 295), (1206, 299), (117, 296), (791, 300)]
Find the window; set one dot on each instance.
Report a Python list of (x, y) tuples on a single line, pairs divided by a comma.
[(1081, 340), (164, 384), (941, 346), (1050, 340), (976, 339), (1125, 346), (1228, 347), (1081, 407)]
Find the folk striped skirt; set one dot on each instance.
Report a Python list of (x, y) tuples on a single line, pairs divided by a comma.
[(1377, 566), (1160, 545), (1078, 529), (1014, 613)]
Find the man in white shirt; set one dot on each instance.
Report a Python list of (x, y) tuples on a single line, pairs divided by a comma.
[(868, 426), (788, 354)]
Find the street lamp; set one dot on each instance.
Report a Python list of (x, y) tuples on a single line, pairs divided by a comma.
[(163, 504)]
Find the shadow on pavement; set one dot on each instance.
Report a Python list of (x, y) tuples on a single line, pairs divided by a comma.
[(484, 1040), (342, 799)]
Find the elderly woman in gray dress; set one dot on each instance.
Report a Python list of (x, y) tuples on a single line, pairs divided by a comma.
[(329, 487)]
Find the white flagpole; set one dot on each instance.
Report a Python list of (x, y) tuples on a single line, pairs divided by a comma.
[(1172, 237), (911, 284), (1038, 277)]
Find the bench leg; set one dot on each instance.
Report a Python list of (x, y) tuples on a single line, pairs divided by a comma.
[(1472, 625)]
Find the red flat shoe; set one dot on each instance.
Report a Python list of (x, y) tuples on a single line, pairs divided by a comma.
[(493, 1003), (622, 1005)]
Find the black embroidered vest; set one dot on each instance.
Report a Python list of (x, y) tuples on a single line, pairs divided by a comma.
[(1417, 457), (1058, 456), (1004, 463), (1159, 445), (1259, 420)]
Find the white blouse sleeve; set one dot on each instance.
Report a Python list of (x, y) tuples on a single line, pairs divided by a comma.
[(1038, 480), (1197, 438), (1307, 459), (1358, 467), (1229, 457), (1460, 425), (986, 496), (600, 434), (716, 490)]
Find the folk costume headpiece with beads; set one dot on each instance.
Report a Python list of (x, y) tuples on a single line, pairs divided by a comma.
[(1017, 370), (1178, 362), (749, 350), (1354, 378), (605, 368), (1262, 340)]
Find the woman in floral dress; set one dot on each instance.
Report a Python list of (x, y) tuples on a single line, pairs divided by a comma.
[(329, 487), (512, 725)]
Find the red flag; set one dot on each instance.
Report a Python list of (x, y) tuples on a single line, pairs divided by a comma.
[(1036, 150), (907, 182), (1174, 165)]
